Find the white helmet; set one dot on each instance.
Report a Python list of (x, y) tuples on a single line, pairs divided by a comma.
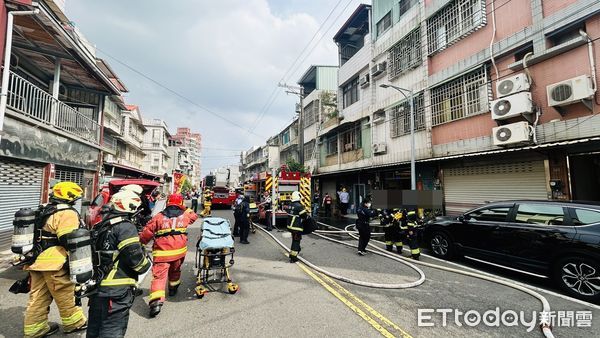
[(296, 196), (126, 201), (133, 187)]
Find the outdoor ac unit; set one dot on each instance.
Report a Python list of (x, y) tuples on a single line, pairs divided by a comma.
[(511, 85), (511, 133), (364, 81), (377, 119), (570, 91), (379, 148), (378, 69), (511, 106)]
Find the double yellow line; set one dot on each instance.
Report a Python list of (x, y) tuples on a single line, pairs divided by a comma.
[(362, 309)]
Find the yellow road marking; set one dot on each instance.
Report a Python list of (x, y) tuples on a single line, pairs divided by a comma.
[(352, 306), (366, 306), (349, 304)]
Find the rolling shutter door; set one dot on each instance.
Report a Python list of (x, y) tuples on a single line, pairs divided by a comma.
[(73, 175), (468, 187), (20, 187)]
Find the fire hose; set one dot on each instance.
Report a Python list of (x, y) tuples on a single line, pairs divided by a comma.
[(544, 325)]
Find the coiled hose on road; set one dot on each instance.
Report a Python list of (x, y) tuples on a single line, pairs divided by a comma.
[(545, 327)]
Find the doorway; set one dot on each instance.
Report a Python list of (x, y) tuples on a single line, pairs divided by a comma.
[(585, 177)]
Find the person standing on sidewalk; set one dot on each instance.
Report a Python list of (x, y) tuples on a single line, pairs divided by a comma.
[(364, 213), (195, 197), (49, 275), (344, 201), (315, 203), (244, 219), (168, 229), (327, 204)]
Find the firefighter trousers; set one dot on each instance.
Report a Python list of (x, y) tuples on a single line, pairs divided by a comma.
[(161, 272), (295, 249), (109, 316), (244, 229), (393, 237), (46, 286)]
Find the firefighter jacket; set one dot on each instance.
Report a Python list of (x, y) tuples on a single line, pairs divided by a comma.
[(364, 215), (118, 239), (297, 210), (62, 220), (169, 231)]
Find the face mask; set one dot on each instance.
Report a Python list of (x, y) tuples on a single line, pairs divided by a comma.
[(368, 205)]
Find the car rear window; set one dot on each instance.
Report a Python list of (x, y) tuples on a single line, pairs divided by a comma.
[(585, 217), (494, 214), (541, 214)]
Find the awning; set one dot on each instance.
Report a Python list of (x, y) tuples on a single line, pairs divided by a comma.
[(481, 153)]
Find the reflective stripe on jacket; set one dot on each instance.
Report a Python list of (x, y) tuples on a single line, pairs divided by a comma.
[(168, 229)]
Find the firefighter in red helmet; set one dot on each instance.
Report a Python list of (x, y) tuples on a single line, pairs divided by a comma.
[(168, 229)]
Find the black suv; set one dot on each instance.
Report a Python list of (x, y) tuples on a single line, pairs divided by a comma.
[(560, 240)]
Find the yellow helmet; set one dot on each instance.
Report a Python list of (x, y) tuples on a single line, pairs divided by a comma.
[(67, 191)]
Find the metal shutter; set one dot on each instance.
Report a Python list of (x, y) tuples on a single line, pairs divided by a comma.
[(62, 174), (20, 187), (468, 187)]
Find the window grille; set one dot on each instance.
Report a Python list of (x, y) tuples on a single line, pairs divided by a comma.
[(311, 113), (400, 116), (405, 55), (350, 92), (453, 22), (332, 148)]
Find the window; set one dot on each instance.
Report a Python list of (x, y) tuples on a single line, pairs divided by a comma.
[(566, 35), (309, 149), (332, 147), (520, 54), (405, 5), (311, 113), (450, 24), (463, 97), (543, 214), (585, 216), (400, 116), (384, 24), (350, 92), (351, 139), (285, 137), (492, 214), (405, 55)]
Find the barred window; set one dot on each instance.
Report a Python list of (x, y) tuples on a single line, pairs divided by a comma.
[(405, 5), (405, 55), (311, 113), (332, 147), (309, 149), (350, 92), (459, 98), (384, 23), (351, 139), (450, 24), (400, 116)]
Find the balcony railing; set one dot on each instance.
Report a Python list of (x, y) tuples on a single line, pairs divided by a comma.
[(26, 98), (109, 143)]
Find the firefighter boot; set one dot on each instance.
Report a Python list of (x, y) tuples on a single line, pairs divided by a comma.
[(389, 247), (173, 290), (155, 306)]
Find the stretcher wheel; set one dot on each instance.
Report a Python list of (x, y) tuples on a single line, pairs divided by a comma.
[(199, 296), (232, 288), (200, 292)]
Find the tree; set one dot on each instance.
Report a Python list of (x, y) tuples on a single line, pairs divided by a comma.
[(293, 165), (186, 186)]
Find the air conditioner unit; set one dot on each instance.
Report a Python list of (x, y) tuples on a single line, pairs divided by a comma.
[(511, 133), (379, 148), (378, 69), (377, 119), (570, 91), (511, 85), (365, 81), (511, 106)]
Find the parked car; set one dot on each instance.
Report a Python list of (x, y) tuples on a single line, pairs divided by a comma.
[(93, 216), (557, 240)]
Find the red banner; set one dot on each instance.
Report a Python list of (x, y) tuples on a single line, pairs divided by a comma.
[(178, 180)]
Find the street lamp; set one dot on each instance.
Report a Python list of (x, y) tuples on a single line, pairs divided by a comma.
[(413, 179)]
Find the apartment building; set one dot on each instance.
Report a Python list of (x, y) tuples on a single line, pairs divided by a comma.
[(186, 138), (155, 146)]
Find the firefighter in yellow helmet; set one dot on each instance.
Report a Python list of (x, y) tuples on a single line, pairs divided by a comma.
[(50, 279), (207, 203)]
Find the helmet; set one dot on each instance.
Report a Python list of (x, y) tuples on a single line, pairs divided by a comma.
[(343, 189), (66, 191), (126, 201), (133, 187), (411, 216), (176, 200), (296, 196)]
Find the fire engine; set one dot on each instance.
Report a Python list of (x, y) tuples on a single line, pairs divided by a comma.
[(221, 195)]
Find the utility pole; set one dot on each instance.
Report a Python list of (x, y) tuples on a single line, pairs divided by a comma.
[(298, 90)]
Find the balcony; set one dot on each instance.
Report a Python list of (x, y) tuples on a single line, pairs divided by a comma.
[(31, 101), (112, 125), (109, 143)]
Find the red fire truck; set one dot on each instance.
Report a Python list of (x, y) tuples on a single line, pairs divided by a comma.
[(221, 195)]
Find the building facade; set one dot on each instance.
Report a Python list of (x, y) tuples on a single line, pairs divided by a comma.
[(193, 141), (155, 146)]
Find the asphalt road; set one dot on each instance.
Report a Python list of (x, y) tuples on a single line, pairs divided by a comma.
[(279, 299)]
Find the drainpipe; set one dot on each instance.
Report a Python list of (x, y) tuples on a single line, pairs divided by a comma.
[(591, 56), (6, 67)]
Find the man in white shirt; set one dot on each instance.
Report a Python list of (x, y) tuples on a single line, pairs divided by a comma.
[(344, 201)]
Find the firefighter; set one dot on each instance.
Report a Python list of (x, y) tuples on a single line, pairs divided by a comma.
[(121, 259), (49, 275), (364, 213), (296, 210), (244, 219), (168, 229), (207, 203), (409, 233), (390, 220)]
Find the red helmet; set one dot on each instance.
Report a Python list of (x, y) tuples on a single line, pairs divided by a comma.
[(175, 199)]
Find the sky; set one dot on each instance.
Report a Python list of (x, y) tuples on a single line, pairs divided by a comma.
[(224, 56)]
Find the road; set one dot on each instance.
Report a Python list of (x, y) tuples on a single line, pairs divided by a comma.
[(279, 299)]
